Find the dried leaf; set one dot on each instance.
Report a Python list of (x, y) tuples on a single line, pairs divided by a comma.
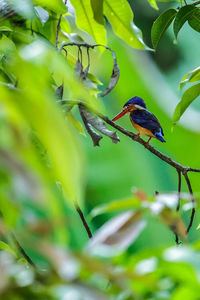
[(115, 75), (59, 92), (175, 223), (97, 123), (117, 234), (96, 137)]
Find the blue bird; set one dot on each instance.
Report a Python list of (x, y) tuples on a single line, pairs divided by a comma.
[(143, 120)]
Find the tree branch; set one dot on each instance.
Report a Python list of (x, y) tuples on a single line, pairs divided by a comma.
[(193, 201), (179, 190)]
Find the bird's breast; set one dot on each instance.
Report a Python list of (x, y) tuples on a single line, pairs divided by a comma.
[(142, 130)]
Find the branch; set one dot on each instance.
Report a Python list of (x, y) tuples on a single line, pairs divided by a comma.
[(87, 228), (179, 201), (179, 190), (193, 201)]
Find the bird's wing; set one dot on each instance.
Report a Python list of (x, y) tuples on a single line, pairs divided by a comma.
[(147, 120)]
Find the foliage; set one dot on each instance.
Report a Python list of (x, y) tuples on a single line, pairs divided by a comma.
[(44, 77)]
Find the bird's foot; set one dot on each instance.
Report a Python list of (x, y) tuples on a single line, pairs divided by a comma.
[(149, 140), (138, 134)]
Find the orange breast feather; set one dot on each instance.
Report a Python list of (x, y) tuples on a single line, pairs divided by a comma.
[(142, 131)]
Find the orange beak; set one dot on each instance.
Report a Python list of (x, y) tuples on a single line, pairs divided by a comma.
[(121, 114)]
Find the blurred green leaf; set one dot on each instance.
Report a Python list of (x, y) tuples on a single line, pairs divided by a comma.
[(194, 20), (55, 5), (64, 25), (97, 7), (182, 16), (85, 20), (120, 16), (127, 203), (4, 246), (160, 25), (5, 28), (23, 8), (153, 4), (191, 76), (188, 97)]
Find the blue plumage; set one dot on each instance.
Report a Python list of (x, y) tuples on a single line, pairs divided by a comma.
[(146, 119), (136, 100)]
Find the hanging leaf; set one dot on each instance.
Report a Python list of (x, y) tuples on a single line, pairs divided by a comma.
[(172, 219), (194, 20), (97, 8), (98, 124), (116, 235), (188, 97), (115, 75), (182, 16), (85, 20), (160, 25), (120, 16), (96, 137)]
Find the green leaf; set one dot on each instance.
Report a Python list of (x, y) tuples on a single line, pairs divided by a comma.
[(160, 26), (153, 4), (192, 76), (97, 7), (120, 16), (6, 247), (55, 5), (127, 203), (85, 20), (194, 20), (5, 28), (64, 25), (182, 16), (190, 95)]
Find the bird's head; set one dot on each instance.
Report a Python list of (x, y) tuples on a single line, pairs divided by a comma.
[(135, 103)]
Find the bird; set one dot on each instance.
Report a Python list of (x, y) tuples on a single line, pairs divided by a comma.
[(142, 120)]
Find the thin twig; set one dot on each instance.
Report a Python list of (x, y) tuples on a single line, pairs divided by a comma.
[(22, 251), (179, 200), (193, 201), (58, 27), (179, 190), (87, 228)]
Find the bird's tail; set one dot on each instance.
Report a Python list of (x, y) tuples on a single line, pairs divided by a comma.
[(159, 136)]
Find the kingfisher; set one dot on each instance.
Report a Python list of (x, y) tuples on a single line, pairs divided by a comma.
[(143, 120)]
